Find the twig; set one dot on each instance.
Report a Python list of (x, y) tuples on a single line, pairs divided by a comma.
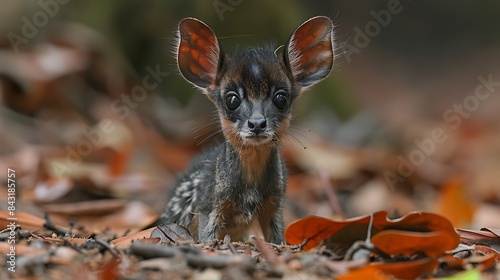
[(354, 252), (304, 242), (106, 245), (267, 253), (330, 194), (72, 246), (355, 247), (50, 226), (193, 257), (220, 261), (150, 251), (227, 241)]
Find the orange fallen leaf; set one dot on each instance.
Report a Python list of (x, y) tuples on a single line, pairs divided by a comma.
[(488, 251), (483, 263), (109, 270), (313, 230), (366, 272), (409, 269), (117, 161), (421, 222), (451, 262), (408, 243), (455, 204)]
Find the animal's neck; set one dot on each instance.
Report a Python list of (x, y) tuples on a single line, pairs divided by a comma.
[(254, 160)]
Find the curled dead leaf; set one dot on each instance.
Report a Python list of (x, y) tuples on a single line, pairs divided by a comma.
[(398, 242), (366, 272), (485, 236), (409, 269), (312, 231), (488, 251)]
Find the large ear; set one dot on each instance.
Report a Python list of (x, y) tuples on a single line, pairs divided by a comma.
[(198, 52), (309, 53)]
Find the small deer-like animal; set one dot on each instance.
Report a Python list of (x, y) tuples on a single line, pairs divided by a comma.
[(243, 180)]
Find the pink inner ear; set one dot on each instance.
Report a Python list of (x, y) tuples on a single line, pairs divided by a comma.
[(198, 52)]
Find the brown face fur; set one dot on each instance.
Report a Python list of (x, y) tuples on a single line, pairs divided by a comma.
[(255, 80)]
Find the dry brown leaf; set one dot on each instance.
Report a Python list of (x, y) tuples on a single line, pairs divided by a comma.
[(313, 230), (455, 204), (86, 208), (366, 272), (408, 243), (409, 269), (128, 239), (25, 220), (481, 237), (488, 251)]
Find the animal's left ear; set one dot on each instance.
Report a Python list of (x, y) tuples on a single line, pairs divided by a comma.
[(198, 53), (309, 53)]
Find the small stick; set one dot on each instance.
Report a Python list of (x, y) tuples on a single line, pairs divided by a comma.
[(267, 253), (227, 241), (330, 194), (50, 226), (109, 247)]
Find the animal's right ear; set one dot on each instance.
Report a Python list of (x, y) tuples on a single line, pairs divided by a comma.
[(310, 53), (198, 52)]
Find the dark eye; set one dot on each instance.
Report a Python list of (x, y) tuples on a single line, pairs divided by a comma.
[(232, 101), (280, 100)]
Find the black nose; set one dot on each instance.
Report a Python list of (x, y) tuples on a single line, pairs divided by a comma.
[(257, 125)]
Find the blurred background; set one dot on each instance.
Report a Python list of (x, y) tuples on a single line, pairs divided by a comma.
[(408, 120)]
